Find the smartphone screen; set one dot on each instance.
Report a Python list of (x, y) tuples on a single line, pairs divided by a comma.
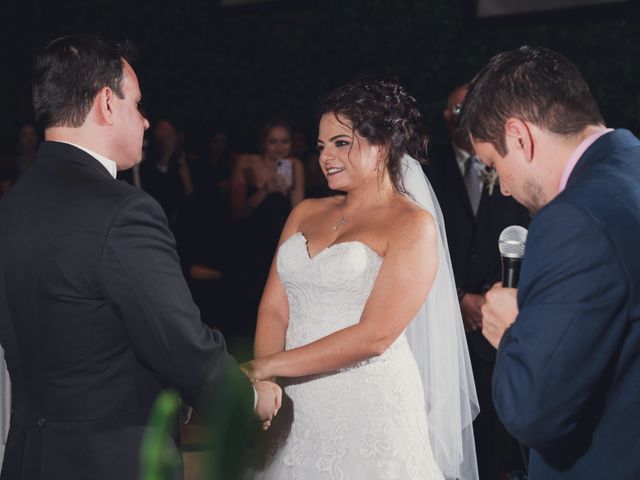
[(284, 171)]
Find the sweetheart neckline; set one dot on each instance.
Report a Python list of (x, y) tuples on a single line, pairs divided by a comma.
[(330, 246)]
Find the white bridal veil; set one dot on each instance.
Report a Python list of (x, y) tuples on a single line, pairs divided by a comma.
[(437, 340)]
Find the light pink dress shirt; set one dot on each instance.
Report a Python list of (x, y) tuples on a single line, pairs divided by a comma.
[(577, 153)]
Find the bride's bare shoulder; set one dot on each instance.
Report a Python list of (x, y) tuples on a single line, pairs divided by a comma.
[(408, 218), (308, 212)]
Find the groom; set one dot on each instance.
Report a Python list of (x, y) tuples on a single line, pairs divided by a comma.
[(567, 375), (95, 316)]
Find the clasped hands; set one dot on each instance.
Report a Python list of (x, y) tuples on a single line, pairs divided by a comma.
[(269, 393)]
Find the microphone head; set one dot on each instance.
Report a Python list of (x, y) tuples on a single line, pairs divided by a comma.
[(512, 241)]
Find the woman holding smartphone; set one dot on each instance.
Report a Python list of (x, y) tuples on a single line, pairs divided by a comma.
[(274, 171), (264, 189)]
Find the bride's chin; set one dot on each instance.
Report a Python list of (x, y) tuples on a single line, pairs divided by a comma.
[(339, 186)]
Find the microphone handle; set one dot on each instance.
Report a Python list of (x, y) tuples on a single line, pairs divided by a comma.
[(511, 272), (510, 279)]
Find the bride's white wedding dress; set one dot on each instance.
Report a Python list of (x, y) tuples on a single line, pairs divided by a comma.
[(367, 421)]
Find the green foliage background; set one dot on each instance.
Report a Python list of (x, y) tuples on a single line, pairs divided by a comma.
[(203, 65)]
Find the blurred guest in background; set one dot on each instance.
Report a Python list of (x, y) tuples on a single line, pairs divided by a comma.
[(315, 182), (265, 179), (220, 160), (165, 173), (475, 213), (264, 188), (204, 231), (299, 144)]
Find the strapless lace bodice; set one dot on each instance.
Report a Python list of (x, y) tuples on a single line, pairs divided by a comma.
[(326, 292), (366, 421)]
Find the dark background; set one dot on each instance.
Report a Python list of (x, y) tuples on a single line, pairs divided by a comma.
[(202, 64)]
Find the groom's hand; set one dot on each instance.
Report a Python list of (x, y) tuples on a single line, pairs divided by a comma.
[(269, 401)]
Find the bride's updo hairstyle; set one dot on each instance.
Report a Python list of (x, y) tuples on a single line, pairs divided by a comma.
[(383, 113)]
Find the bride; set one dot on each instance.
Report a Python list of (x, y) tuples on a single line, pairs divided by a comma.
[(359, 314)]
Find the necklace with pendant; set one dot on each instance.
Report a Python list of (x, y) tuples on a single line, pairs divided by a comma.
[(342, 220)]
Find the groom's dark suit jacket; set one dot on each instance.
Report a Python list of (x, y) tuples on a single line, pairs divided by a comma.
[(95, 319), (567, 375)]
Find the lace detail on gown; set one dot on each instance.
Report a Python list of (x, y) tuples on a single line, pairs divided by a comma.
[(367, 421)]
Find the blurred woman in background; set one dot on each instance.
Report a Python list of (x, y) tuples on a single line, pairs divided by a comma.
[(264, 189)]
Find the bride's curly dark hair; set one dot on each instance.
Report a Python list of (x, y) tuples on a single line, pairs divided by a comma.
[(382, 112)]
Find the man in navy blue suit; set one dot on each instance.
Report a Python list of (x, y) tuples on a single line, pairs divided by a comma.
[(567, 374)]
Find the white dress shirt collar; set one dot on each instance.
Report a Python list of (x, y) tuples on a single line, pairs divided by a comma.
[(107, 163)]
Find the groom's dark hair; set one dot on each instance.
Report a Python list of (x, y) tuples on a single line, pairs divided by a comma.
[(70, 72), (532, 84)]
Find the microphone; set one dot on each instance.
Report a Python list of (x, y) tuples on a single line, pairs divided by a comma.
[(511, 245)]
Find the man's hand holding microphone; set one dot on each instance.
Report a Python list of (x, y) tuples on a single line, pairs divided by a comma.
[(501, 306)]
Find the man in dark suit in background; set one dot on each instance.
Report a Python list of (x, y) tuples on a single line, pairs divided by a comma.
[(567, 374), (95, 316), (475, 212)]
